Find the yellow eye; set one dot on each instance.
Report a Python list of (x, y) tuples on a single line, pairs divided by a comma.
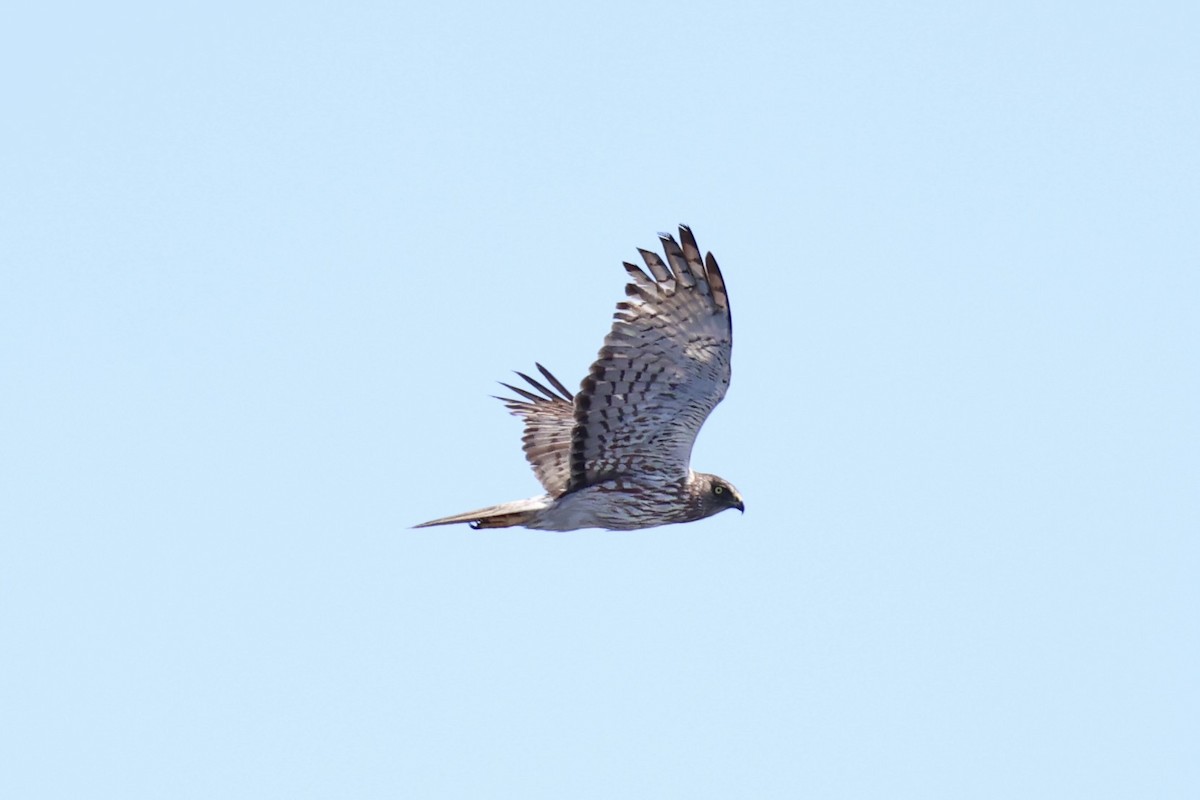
[(718, 489)]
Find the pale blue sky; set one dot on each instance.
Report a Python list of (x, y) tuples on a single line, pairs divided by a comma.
[(262, 267)]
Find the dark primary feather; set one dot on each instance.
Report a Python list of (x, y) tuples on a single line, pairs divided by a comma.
[(663, 368)]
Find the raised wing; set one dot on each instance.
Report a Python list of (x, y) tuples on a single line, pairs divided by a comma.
[(663, 368), (549, 418)]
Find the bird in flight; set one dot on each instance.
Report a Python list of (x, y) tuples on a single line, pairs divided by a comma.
[(616, 453)]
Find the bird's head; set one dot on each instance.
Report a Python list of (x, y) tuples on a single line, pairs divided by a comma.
[(715, 494)]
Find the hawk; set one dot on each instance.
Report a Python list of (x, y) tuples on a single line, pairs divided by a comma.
[(616, 453)]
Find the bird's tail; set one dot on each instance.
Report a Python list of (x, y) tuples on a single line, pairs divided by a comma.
[(505, 515)]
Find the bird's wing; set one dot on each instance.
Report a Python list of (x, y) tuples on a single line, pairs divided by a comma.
[(663, 368), (549, 417)]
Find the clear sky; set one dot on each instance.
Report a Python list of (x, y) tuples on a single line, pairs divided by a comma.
[(263, 264)]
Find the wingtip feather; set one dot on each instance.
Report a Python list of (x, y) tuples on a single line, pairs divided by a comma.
[(567, 394)]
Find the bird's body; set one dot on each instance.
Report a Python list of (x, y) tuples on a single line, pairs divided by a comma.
[(615, 505), (616, 453)]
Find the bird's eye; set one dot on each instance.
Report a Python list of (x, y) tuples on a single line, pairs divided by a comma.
[(718, 490)]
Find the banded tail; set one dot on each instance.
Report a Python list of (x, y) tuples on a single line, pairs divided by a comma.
[(504, 515)]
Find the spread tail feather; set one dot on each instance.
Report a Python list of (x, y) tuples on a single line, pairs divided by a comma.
[(505, 515)]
